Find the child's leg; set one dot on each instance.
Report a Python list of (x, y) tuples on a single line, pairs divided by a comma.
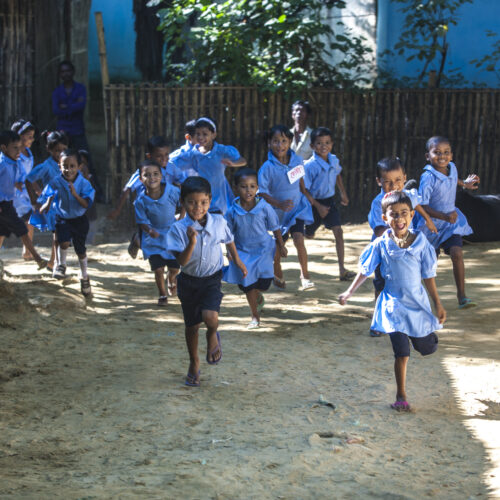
[(53, 254), (160, 281), (29, 245), (1, 240), (172, 279), (82, 261), (298, 241), (338, 234), (26, 253), (253, 298), (191, 333), (278, 272), (457, 260), (400, 365), (211, 319)]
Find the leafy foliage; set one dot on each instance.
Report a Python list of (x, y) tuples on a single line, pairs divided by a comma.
[(273, 44), (491, 61)]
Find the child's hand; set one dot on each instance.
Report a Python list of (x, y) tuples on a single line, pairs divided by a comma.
[(19, 186), (431, 226), (441, 314), (153, 233), (322, 210), (283, 251), (242, 267), (452, 217), (344, 199), (72, 189), (227, 162), (192, 234), (471, 182), (343, 298), (44, 208), (285, 205)]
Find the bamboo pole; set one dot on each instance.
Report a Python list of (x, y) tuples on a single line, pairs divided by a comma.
[(102, 49)]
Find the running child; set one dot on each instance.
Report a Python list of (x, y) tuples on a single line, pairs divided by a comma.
[(438, 189), (196, 242), (155, 213), (210, 159), (189, 135), (281, 184), (72, 194), (402, 310), (250, 219), (22, 202), (11, 177), (55, 142), (322, 175)]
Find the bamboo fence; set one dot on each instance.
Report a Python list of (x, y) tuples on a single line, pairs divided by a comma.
[(366, 126)]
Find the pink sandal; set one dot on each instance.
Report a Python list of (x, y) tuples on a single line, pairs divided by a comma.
[(401, 406)]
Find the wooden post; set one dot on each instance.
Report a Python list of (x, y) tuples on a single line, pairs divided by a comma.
[(102, 49)]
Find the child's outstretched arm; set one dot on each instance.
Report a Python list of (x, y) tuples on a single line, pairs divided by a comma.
[(116, 211), (45, 207), (285, 205), (149, 230), (240, 162), (428, 221), (358, 281), (322, 209), (471, 182), (231, 248), (436, 214), (344, 199), (430, 284), (280, 243)]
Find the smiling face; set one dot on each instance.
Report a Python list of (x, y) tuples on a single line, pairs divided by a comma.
[(151, 177), (27, 138), (279, 146), (247, 188), (69, 167), (393, 180), (399, 217), (205, 137), (12, 150), (160, 155), (322, 146), (197, 205), (440, 155)]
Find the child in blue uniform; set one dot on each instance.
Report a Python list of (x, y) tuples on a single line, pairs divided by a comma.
[(22, 203), (210, 159), (11, 177), (438, 189), (250, 219), (189, 135), (196, 242), (402, 310), (322, 175), (281, 184), (72, 194), (155, 213)]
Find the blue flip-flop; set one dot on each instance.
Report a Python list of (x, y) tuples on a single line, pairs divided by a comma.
[(465, 303), (193, 380), (218, 348)]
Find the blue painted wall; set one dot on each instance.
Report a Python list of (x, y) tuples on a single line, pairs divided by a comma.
[(118, 19), (467, 40)]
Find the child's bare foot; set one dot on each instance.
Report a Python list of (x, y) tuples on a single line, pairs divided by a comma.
[(193, 375), (162, 300), (214, 349), (27, 256)]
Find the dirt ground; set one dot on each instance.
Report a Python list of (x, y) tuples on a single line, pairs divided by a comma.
[(92, 401)]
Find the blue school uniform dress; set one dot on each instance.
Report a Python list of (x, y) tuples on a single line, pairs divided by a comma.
[(10, 173), (42, 174), (71, 219), (439, 192), (273, 180), (255, 245), (321, 177), (199, 282), (180, 158), (160, 215), (22, 202), (403, 305)]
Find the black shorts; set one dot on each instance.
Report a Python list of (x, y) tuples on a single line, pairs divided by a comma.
[(455, 240), (262, 284), (424, 345), (74, 230), (10, 222), (298, 227), (331, 220), (156, 261), (198, 295)]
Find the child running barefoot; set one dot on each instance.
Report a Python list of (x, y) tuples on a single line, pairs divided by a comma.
[(155, 213), (322, 175), (249, 219), (11, 176), (402, 310), (73, 195), (438, 189), (196, 242), (281, 184)]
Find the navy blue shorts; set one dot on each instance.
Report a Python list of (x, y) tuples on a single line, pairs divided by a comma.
[(74, 230), (261, 284), (198, 295), (455, 240), (298, 227), (332, 218), (10, 222), (424, 345), (156, 261)]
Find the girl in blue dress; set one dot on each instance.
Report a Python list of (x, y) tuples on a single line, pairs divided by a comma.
[(22, 203), (402, 309), (56, 142), (438, 189), (281, 184), (155, 213), (250, 219)]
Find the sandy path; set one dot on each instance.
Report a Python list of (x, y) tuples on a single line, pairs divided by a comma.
[(92, 403)]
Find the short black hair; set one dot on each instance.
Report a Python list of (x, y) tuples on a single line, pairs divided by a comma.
[(279, 129), (190, 127), (8, 136), (394, 197), (195, 184), (149, 163), (304, 104), (155, 142), (244, 172), (389, 164), (435, 140), (72, 152), (55, 137), (320, 132)]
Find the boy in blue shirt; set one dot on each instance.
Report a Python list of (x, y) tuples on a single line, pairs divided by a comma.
[(11, 178), (196, 241), (73, 195)]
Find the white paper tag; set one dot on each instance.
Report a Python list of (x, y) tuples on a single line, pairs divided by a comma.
[(296, 173)]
